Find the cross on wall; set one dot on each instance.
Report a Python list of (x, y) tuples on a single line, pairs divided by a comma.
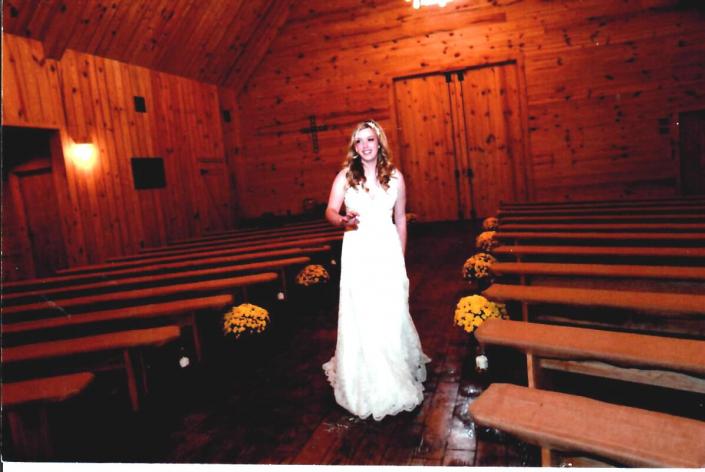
[(313, 130)]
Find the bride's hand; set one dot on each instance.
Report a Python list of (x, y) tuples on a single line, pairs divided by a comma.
[(350, 220)]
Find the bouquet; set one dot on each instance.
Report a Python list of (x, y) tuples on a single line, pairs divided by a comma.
[(490, 224), (477, 267), (312, 275), (486, 241), (472, 311), (245, 319)]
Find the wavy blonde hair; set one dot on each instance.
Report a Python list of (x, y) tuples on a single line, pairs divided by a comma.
[(353, 162)]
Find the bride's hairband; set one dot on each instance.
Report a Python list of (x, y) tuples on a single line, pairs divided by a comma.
[(374, 126)]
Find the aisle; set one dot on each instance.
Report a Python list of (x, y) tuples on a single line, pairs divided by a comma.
[(273, 404)]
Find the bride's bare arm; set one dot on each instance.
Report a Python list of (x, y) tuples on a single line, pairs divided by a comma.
[(335, 201), (400, 211)]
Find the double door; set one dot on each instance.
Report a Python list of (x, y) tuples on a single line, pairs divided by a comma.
[(462, 141)]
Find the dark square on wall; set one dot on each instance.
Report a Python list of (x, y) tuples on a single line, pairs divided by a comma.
[(148, 172), (140, 104)]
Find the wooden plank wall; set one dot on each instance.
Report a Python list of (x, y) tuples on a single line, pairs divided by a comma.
[(89, 98), (604, 81)]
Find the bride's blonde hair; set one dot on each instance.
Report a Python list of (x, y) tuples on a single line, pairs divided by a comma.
[(353, 162)]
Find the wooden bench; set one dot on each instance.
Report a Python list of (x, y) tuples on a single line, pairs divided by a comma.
[(247, 246), (37, 393), (127, 342), (681, 279), (655, 228), (664, 219), (182, 311), (665, 304), (122, 284), (624, 237), (611, 210), (668, 362), (242, 238), (593, 251), (679, 200), (139, 296), (110, 266), (158, 268), (251, 232), (553, 420)]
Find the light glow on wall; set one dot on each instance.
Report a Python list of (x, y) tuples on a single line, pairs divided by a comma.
[(84, 155), (427, 3)]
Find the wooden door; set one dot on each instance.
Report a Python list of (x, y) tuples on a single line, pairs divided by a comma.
[(426, 145), (494, 133), (461, 141), (33, 243)]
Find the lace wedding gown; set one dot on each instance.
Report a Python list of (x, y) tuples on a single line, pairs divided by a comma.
[(378, 366)]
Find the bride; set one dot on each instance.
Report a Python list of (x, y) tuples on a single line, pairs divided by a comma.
[(378, 367)]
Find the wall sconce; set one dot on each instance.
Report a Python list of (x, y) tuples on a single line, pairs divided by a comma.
[(84, 155), (425, 3)]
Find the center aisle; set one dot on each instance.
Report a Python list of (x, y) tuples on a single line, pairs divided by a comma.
[(269, 403)]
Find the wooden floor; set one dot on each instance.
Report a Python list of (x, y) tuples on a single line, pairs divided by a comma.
[(267, 401)]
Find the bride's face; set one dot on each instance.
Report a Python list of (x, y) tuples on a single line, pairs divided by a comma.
[(367, 144)]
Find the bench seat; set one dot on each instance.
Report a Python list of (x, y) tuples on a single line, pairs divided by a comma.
[(139, 296), (47, 389), (626, 251), (673, 304), (600, 270), (553, 420), (601, 236), (655, 228)]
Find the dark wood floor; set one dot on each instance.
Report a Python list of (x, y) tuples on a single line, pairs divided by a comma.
[(267, 400)]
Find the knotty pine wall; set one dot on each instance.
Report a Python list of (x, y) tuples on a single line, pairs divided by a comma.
[(89, 98), (604, 83)]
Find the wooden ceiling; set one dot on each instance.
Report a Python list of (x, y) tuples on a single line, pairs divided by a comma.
[(213, 41)]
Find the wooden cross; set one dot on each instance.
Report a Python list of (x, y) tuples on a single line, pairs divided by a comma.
[(313, 129)]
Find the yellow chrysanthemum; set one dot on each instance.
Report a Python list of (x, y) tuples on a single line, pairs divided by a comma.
[(312, 274), (473, 310), (478, 266), (490, 224), (245, 318), (411, 217), (486, 241)]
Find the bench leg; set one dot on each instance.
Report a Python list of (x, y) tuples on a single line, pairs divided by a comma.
[(28, 444), (546, 457), (196, 337), (131, 380)]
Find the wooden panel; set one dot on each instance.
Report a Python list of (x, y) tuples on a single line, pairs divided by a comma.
[(602, 80), (90, 99), (426, 147)]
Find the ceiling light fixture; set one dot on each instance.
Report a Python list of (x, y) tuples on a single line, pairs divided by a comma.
[(427, 3)]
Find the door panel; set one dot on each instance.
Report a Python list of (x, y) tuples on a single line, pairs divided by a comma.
[(426, 145), (493, 125)]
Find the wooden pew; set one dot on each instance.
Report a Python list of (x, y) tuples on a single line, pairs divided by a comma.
[(139, 296), (129, 343), (625, 238), (248, 246), (655, 228), (679, 200), (553, 420), (319, 224), (144, 281), (664, 219), (521, 252), (666, 304), (183, 312), (609, 210), (111, 266), (193, 263), (668, 362), (682, 279), (19, 397), (241, 238)]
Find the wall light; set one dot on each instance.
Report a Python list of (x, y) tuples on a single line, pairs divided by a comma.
[(84, 155), (426, 3)]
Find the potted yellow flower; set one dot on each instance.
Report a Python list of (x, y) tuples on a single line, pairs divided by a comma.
[(476, 270), (471, 312)]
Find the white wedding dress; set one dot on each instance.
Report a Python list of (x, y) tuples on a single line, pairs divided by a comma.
[(378, 367)]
